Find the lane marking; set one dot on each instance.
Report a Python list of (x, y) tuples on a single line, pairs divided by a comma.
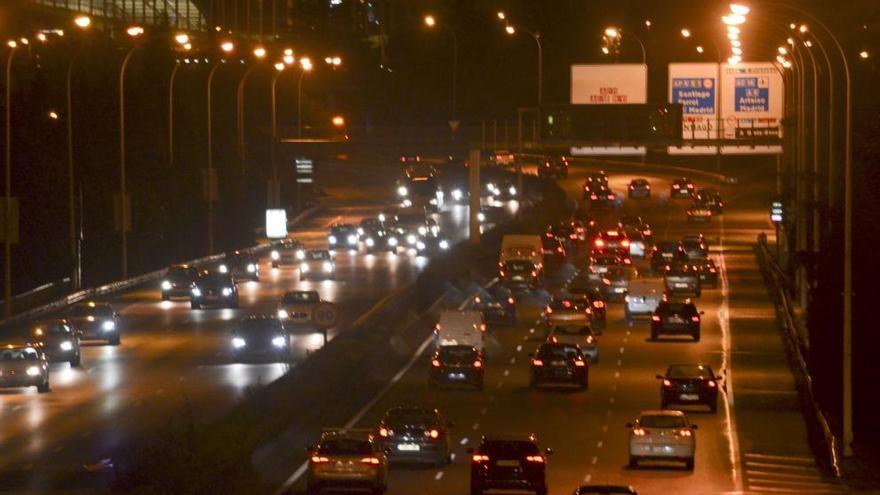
[(599, 444), (475, 426), (604, 428), (483, 410), (464, 441), (724, 323), (518, 348), (438, 476), (587, 478), (619, 362), (616, 374), (506, 373), (594, 461), (513, 360), (621, 350)]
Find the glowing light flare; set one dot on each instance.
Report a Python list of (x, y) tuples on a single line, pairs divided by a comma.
[(53, 115), (305, 63), (134, 31), (430, 21), (227, 46), (259, 52), (605, 50), (181, 38), (510, 29), (279, 66), (83, 21), (686, 33), (864, 54), (612, 32)]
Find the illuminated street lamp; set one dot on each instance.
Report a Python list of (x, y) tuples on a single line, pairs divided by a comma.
[(700, 49), (510, 29), (864, 54), (612, 32), (501, 15), (431, 22), (338, 121), (134, 31), (260, 52), (782, 50), (615, 33), (686, 33), (83, 21), (227, 46), (738, 9), (181, 38), (733, 19), (305, 64)]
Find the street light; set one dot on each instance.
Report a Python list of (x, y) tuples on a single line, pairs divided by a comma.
[(733, 19), (739, 9), (338, 121), (614, 32), (501, 15), (699, 49), (259, 52), (7, 241), (686, 33), (227, 47), (864, 54), (83, 21), (134, 31), (181, 38), (305, 64), (431, 22), (510, 29)]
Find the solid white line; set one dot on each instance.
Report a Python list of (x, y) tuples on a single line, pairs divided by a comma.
[(775, 474), (789, 458), (724, 322), (773, 465)]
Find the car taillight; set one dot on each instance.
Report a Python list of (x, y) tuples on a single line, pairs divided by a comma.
[(559, 249), (667, 383), (598, 304), (695, 319), (502, 273), (612, 196), (590, 339), (478, 364), (435, 363), (593, 196), (438, 327), (477, 299), (640, 432), (712, 384), (534, 273), (599, 243), (370, 460), (535, 458), (684, 433), (632, 186), (624, 243), (482, 327), (432, 433), (579, 363), (537, 362), (511, 300), (317, 459), (480, 458), (655, 318), (606, 281), (690, 186), (384, 432), (711, 270), (675, 186), (647, 232)]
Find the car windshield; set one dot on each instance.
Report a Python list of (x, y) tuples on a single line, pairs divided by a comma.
[(558, 351), (22, 354), (519, 266), (215, 279), (260, 325), (179, 274), (300, 297), (689, 371), (457, 354), (662, 421), (317, 256), (345, 446), (410, 416), (341, 229), (674, 307), (51, 329), (371, 223), (100, 311), (503, 448)]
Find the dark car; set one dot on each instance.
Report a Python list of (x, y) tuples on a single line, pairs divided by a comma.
[(456, 365), (374, 235), (681, 188), (562, 231), (699, 211), (430, 245), (58, 340), (675, 318), (519, 274), (553, 248), (261, 337), (636, 222), (508, 462), (95, 321), (595, 180), (553, 167), (602, 259), (639, 188), (682, 278), (665, 253), (178, 281), (501, 189), (708, 272), (214, 288), (287, 252), (695, 248), (497, 305), (605, 490), (712, 199), (241, 265), (612, 239), (584, 287), (23, 365), (602, 198), (342, 236), (559, 363), (689, 384), (415, 435)]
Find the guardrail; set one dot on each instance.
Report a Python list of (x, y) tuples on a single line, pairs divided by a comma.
[(820, 435), (123, 285)]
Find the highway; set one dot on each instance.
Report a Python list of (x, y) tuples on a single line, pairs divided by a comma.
[(587, 429)]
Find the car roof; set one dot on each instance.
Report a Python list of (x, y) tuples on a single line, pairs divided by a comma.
[(510, 437)]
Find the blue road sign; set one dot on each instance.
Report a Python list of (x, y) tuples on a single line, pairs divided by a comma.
[(696, 94), (752, 94)]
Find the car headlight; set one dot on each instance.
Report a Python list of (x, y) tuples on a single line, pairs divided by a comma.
[(223, 268), (512, 191), (420, 246), (381, 217), (283, 314), (410, 239), (251, 267), (66, 345), (392, 241), (33, 371), (444, 244), (407, 203), (300, 254), (196, 292), (352, 239), (423, 231), (166, 285), (328, 267), (108, 326), (304, 268), (491, 187), (360, 231), (275, 255), (332, 239), (481, 217), (370, 242), (238, 342), (456, 194), (402, 191), (435, 229), (279, 341), (227, 292)]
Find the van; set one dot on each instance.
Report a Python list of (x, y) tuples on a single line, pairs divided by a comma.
[(522, 247), (643, 296), (460, 327)]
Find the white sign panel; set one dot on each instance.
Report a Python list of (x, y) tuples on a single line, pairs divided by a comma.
[(695, 87), (276, 223), (609, 84), (752, 100)]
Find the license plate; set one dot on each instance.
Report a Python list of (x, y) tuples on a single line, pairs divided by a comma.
[(408, 447), (660, 449), (517, 277), (681, 285), (557, 363), (689, 397), (667, 256), (456, 376), (675, 319), (506, 463)]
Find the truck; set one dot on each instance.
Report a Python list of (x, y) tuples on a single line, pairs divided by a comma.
[(460, 327), (522, 247)]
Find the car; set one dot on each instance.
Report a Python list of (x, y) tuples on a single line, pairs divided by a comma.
[(605, 490), (682, 278), (421, 189), (553, 248), (95, 321), (261, 337), (502, 159), (638, 246), (712, 199), (413, 434), (430, 245), (662, 436), (567, 310), (373, 234), (178, 281), (342, 236), (642, 298), (681, 188), (556, 362), (241, 265), (459, 193), (636, 222), (497, 305), (562, 231), (347, 458), (412, 225), (595, 180), (214, 287), (296, 306), (288, 252), (519, 274), (57, 339), (490, 215), (689, 384), (500, 189), (582, 286), (508, 462), (317, 265), (676, 318), (601, 260), (708, 272), (695, 248), (551, 167), (602, 198), (639, 188), (616, 281), (667, 252), (699, 212), (23, 364), (580, 335), (453, 365), (611, 239), (460, 327)]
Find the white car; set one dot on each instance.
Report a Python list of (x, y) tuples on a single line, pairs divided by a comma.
[(662, 435), (317, 265), (296, 306)]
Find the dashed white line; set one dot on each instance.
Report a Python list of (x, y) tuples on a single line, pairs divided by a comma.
[(464, 441), (438, 476), (518, 348), (599, 444), (587, 478), (619, 362), (513, 360), (594, 461), (475, 426), (483, 410), (616, 374), (506, 373), (604, 428), (621, 350), (611, 400)]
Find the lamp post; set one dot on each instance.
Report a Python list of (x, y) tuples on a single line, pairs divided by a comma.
[(226, 47), (259, 53), (7, 241), (182, 40), (82, 22), (431, 22), (274, 200), (512, 30), (686, 34), (617, 33), (305, 64)]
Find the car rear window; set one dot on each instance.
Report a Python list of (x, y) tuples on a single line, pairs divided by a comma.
[(573, 330), (519, 265), (454, 353), (509, 448), (558, 351), (260, 325), (345, 446), (179, 274), (86, 310), (410, 416), (52, 329), (568, 305), (689, 370), (662, 421)]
